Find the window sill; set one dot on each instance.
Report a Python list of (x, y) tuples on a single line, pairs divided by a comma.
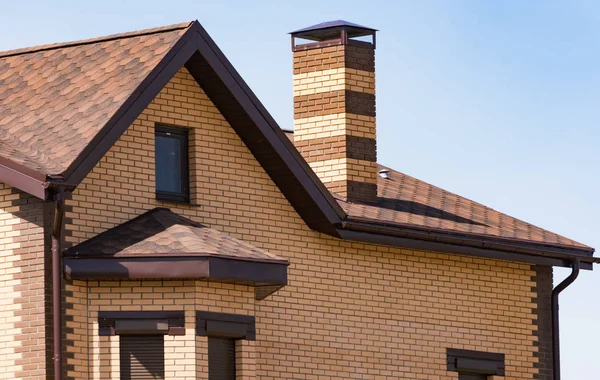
[(177, 202)]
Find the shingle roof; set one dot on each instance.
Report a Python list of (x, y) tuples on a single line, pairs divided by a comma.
[(405, 201), (60, 102), (160, 232), (56, 98)]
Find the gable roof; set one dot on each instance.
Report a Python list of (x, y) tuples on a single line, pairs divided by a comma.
[(51, 141), (60, 96), (31, 167)]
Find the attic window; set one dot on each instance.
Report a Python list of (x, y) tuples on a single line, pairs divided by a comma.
[(171, 163)]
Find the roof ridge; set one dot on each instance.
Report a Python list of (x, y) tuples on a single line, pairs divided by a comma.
[(110, 37)]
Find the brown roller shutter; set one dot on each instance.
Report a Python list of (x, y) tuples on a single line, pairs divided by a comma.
[(221, 359), (142, 357), (466, 376)]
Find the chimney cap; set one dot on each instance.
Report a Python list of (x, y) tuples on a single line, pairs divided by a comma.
[(357, 30)]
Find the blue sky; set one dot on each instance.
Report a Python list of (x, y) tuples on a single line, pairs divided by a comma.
[(494, 100)]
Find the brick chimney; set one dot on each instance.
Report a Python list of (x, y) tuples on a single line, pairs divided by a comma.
[(334, 106)]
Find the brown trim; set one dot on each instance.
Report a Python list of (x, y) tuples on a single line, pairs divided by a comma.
[(459, 247), (57, 276), (213, 268), (481, 240), (148, 322), (225, 325), (23, 178)]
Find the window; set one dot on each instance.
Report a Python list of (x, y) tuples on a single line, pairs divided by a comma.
[(142, 357), (171, 163), (475, 365), (222, 331), (466, 376), (141, 340), (221, 358)]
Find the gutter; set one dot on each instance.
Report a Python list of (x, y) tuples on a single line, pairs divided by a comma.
[(25, 179), (57, 228), (555, 325), (463, 245)]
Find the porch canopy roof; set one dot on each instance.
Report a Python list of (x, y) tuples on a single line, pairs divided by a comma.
[(160, 244)]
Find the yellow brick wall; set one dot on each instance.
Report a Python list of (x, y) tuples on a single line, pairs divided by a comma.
[(350, 310), (342, 78), (23, 298), (90, 356)]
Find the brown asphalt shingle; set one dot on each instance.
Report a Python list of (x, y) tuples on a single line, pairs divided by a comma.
[(409, 202), (55, 98), (161, 232), (405, 201)]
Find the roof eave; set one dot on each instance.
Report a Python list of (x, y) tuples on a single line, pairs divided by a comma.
[(266, 276), (464, 245), (24, 179)]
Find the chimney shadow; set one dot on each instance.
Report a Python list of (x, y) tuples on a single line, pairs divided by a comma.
[(416, 208)]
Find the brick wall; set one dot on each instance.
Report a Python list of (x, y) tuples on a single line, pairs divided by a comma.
[(91, 356), (334, 117), (24, 298), (351, 310)]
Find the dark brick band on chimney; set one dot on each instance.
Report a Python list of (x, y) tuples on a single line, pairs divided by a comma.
[(334, 107)]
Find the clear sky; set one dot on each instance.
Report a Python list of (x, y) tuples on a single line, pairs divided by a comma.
[(497, 101)]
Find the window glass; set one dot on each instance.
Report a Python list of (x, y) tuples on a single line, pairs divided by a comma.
[(171, 164), (168, 169)]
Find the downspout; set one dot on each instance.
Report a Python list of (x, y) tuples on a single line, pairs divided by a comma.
[(555, 326), (57, 281)]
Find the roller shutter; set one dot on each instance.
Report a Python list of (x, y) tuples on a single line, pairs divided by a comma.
[(142, 357), (221, 359), (467, 376)]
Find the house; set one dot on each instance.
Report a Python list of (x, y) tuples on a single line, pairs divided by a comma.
[(187, 236)]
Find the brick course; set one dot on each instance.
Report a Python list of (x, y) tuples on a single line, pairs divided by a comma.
[(350, 311), (24, 296)]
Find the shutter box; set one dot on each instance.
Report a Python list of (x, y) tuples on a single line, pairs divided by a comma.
[(224, 325), (141, 322)]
